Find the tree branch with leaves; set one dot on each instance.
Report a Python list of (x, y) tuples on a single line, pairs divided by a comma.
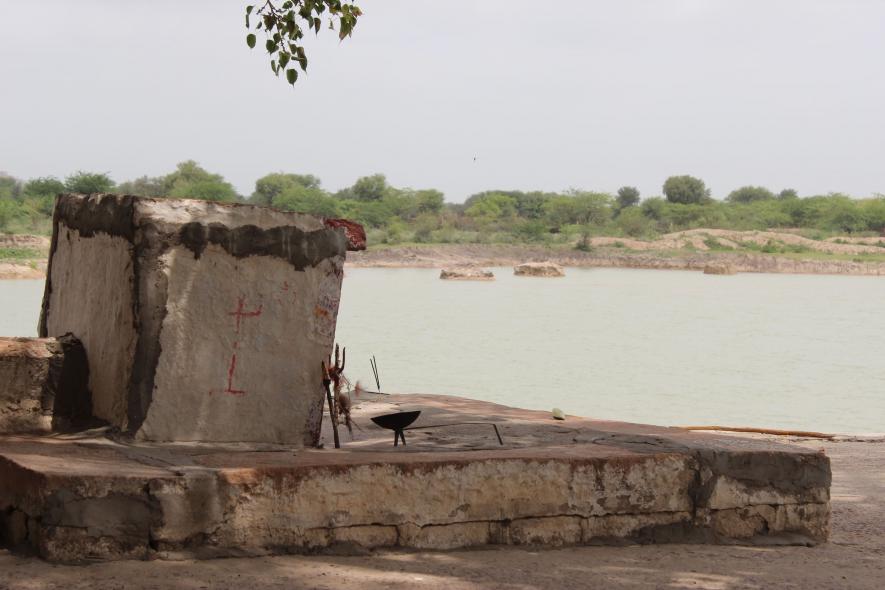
[(284, 25)]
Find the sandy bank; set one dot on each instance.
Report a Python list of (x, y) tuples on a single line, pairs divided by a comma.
[(14, 270), (24, 266), (686, 250), (486, 255)]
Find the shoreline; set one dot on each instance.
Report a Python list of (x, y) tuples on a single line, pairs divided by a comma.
[(498, 255), (491, 255), (26, 256)]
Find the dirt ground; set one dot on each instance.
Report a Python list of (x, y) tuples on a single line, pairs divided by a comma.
[(854, 558)]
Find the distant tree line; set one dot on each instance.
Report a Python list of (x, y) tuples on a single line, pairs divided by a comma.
[(395, 214)]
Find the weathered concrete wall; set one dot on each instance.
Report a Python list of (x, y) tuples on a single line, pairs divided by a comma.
[(92, 278), (202, 321), (238, 375), (43, 384)]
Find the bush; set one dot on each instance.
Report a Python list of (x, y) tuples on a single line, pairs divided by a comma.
[(89, 182), (749, 194), (686, 190)]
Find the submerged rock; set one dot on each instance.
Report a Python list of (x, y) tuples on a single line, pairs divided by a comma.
[(539, 269), (719, 268), (466, 274)]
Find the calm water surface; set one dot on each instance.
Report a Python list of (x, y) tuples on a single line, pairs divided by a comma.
[(666, 347)]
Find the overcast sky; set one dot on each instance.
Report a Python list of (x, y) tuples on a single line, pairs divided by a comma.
[(592, 94)]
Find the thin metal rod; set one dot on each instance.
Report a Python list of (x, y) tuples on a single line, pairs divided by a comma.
[(374, 373), (332, 417), (377, 375)]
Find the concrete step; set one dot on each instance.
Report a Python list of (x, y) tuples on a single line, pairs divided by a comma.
[(80, 497)]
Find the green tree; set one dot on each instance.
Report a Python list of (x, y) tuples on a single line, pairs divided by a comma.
[(10, 187), (46, 186), (190, 181), (492, 207), (787, 193), (144, 186), (748, 194), (10, 210), (686, 190), (89, 182), (284, 23), (578, 208), (806, 212), (429, 200), (874, 211), (270, 186), (845, 215), (531, 230), (653, 208), (634, 223), (306, 199), (628, 196), (368, 188)]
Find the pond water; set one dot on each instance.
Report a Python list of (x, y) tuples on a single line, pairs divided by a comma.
[(663, 347)]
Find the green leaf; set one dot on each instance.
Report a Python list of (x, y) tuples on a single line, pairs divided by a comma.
[(284, 59), (249, 9), (250, 40), (270, 46), (291, 75)]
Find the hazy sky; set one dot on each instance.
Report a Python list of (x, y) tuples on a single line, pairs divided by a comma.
[(591, 94)]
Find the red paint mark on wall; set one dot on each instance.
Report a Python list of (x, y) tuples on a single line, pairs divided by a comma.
[(239, 313), (230, 377)]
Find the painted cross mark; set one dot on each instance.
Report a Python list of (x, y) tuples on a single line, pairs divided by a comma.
[(240, 312)]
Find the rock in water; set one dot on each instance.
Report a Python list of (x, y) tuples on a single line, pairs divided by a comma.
[(466, 274), (719, 268), (539, 269)]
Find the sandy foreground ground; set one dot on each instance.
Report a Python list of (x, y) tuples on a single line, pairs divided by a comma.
[(854, 558)]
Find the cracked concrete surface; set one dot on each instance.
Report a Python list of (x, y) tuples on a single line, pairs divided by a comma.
[(81, 497), (853, 558)]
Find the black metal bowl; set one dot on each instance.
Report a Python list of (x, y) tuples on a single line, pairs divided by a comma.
[(396, 421)]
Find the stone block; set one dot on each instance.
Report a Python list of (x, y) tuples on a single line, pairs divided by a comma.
[(631, 526), (201, 321), (808, 521), (43, 384)]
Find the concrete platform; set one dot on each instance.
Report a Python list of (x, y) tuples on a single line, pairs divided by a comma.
[(79, 497)]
